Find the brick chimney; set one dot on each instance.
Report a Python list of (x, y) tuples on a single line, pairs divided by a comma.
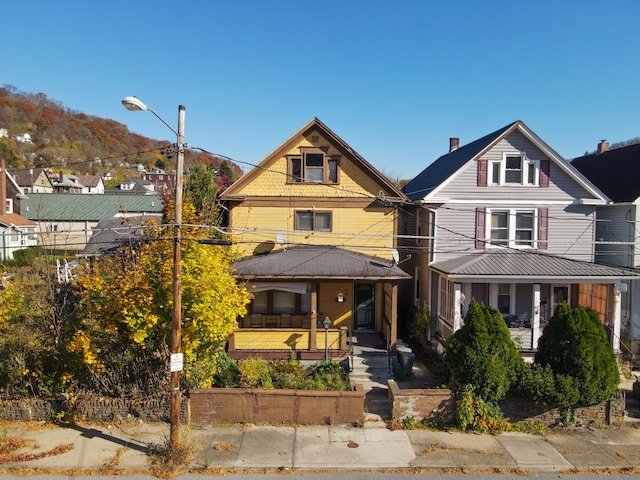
[(454, 143), (603, 146)]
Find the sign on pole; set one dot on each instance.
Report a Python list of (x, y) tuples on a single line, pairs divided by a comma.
[(177, 361)]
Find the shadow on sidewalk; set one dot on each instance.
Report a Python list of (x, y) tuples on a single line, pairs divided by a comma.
[(90, 433)]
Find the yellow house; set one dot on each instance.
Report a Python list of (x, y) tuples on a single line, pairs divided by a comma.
[(316, 227)]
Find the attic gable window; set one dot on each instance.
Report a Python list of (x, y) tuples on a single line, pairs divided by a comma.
[(512, 170), (313, 166)]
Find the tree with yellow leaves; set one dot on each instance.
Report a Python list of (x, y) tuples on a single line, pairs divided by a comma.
[(124, 310)]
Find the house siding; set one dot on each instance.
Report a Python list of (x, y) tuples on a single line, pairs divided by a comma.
[(616, 223), (561, 188)]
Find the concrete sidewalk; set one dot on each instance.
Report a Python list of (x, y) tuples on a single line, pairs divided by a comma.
[(126, 448)]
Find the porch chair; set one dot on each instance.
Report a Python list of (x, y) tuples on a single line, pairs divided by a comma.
[(271, 321), (256, 320), (285, 320)]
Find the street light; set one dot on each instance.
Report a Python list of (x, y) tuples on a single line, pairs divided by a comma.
[(133, 104)]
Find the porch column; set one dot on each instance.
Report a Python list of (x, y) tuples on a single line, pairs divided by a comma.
[(393, 333), (535, 318), (313, 335), (617, 318), (457, 304)]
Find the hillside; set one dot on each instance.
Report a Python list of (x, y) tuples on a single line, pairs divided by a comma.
[(36, 131)]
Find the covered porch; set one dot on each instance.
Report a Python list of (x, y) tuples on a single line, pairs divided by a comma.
[(309, 300), (526, 287)]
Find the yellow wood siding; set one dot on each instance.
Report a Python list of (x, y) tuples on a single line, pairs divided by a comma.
[(365, 231)]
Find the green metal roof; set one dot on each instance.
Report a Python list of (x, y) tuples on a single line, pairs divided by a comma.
[(78, 207)]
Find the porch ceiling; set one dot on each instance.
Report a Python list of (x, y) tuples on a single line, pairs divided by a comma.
[(318, 262), (528, 266)]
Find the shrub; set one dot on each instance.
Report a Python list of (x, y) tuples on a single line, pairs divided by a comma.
[(540, 384), (482, 354), (329, 376), (474, 413), (226, 373), (574, 344), (254, 373), (287, 374)]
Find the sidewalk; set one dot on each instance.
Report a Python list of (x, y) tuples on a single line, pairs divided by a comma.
[(126, 447)]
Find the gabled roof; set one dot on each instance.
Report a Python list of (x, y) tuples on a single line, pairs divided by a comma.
[(315, 263), (114, 233), (529, 266), (436, 175), (616, 172), (26, 177), (17, 220), (314, 124), (89, 180), (64, 207)]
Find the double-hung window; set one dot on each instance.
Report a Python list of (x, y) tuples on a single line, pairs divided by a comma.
[(313, 166), (313, 220), (514, 169), (512, 228)]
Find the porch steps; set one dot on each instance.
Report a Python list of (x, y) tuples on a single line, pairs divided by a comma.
[(370, 367)]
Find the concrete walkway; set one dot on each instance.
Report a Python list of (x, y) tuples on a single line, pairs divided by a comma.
[(125, 449)]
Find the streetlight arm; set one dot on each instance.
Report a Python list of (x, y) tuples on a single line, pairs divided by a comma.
[(133, 104)]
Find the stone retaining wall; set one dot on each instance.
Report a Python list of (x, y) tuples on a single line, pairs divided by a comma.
[(303, 407), (88, 408), (439, 404)]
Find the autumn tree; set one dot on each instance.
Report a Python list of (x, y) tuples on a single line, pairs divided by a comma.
[(125, 311)]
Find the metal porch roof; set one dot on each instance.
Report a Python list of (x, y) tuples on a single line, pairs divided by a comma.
[(317, 263), (528, 266)]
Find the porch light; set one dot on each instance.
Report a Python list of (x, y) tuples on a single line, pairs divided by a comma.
[(326, 324)]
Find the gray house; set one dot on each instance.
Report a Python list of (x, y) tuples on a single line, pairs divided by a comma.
[(617, 173), (507, 221)]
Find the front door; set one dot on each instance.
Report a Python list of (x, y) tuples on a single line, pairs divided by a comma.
[(365, 306)]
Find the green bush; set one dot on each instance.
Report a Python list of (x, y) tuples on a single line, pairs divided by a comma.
[(255, 372), (482, 354), (540, 384), (574, 344), (226, 373)]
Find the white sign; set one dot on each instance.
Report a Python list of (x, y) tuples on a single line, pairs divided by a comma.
[(177, 360)]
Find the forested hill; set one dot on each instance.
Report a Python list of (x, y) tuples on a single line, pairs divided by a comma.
[(83, 144)]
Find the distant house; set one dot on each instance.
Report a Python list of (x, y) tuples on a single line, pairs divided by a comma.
[(23, 138), (138, 167), (66, 183), (66, 222), (92, 184), (507, 221), (617, 173), (3, 133), (133, 186), (16, 233), (32, 180), (112, 234), (163, 182)]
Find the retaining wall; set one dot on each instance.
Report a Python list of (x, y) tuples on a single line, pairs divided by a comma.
[(303, 407)]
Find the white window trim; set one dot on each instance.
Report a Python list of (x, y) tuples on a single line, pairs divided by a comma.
[(512, 297), (526, 162), (511, 212)]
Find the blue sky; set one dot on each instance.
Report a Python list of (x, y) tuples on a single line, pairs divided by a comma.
[(393, 79)]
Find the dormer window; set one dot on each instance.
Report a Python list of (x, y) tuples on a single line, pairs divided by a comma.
[(313, 166)]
